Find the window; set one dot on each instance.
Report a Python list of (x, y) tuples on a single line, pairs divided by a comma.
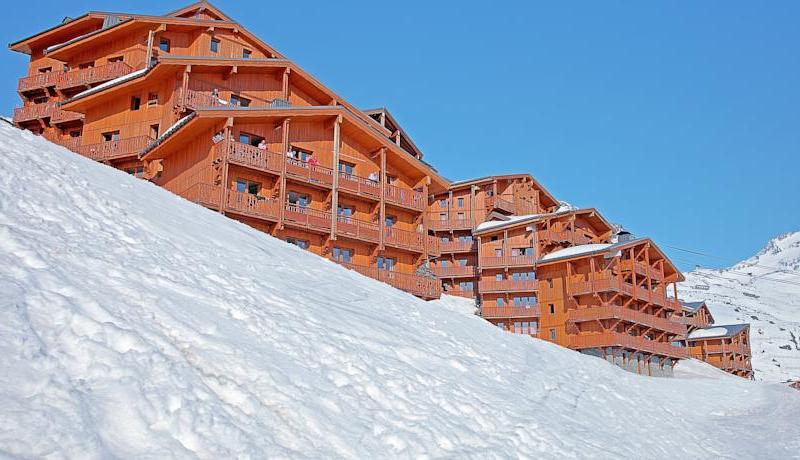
[(214, 45), (552, 309), (45, 70), (461, 202), (342, 254), (250, 139), (550, 283), (465, 239), (115, 59), (498, 277), (442, 217), (494, 238), (40, 99), (154, 131), (461, 216), (298, 199), (444, 263), (247, 186), (465, 285), (501, 302), (75, 133), (86, 65), (346, 168), (300, 154), (552, 334), (163, 45), (246, 54), (345, 213), (501, 325), (386, 263), (445, 240), (442, 203), (136, 102), (462, 262), (391, 179), (152, 99), (111, 136), (240, 101), (390, 221), (138, 171), (498, 253), (302, 244)]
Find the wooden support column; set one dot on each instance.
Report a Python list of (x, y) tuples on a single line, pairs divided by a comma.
[(505, 250), (285, 91), (382, 215), (185, 84), (425, 218), (591, 272), (633, 272), (150, 36), (337, 138), (472, 206), (224, 189), (284, 150)]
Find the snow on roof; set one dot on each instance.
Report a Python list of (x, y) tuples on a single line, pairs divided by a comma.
[(692, 306), (576, 250), (167, 133), (717, 331), (110, 83), (516, 219)]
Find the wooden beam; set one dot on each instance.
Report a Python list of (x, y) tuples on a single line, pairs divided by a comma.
[(285, 87), (337, 139), (224, 189), (382, 215), (284, 151)]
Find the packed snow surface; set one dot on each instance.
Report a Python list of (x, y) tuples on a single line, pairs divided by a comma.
[(576, 250), (764, 291), (136, 324), (716, 331)]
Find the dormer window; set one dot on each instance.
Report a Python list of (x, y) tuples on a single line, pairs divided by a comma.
[(246, 54), (163, 45), (214, 45)]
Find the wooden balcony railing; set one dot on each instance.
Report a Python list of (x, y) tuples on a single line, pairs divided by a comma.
[(433, 246), (317, 174), (87, 77), (563, 236), (726, 349), (71, 143), (312, 219), (359, 185), (511, 285), (360, 229), (457, 291), (454, 271), (437, 224), (507, 261), (418, 285), (203, 194), (252, 205), (457, 246), (641, 268), (59, 116), (405, 197), (497, 202), (694, 321), (509, 312), (626, 314), (616, 339), (404, 239), (111, 150), (253, 157), (34, 112), (38, 81), (605, 281)]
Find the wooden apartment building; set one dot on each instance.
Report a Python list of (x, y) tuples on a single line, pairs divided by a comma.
[(195, 103), (726, 347)]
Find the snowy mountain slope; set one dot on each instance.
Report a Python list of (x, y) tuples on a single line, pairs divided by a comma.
[(764, 291), (133, 323)]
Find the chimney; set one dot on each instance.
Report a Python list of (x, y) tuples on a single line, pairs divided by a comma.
[(624, 236)]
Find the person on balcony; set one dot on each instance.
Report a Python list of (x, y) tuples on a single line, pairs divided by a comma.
[(312, 160), (262, 145), (373, 177)]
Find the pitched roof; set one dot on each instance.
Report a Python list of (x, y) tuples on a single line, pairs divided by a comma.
[(692, 306), (717, 331)]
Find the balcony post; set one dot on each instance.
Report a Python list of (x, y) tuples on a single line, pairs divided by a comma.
[(472, 190), (425, 218), (382, 212), (185, 84), (505, 249), (285, 88), (149, 57), (284, 152), (224, 188), (337, 130)]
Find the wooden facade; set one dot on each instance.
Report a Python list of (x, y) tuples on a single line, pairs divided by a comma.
[(195, 103), (726, 347)]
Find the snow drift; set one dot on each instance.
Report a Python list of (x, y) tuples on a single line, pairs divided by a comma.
[(134, 323)]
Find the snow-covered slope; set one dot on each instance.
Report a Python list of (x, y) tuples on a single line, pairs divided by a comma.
[(133, 323), (764, 291)]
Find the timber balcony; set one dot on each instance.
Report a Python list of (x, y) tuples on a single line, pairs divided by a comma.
[(509, 312), (511, 285), (507, 261), (563, 236), (421, 286), (112, 150), (456, 246), (204, 194), (725, 349), (311, 219), (617, 339), (438, 224), (733, 364), (433, 246), (626, 314), (641, 268), (47, 110), (249, 205), (495, 202), (404, 239), (455, 271), (74, 78), (692, 321), (457, 291), (607, 282)]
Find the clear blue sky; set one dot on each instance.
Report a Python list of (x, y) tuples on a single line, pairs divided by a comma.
[(679, 119)]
